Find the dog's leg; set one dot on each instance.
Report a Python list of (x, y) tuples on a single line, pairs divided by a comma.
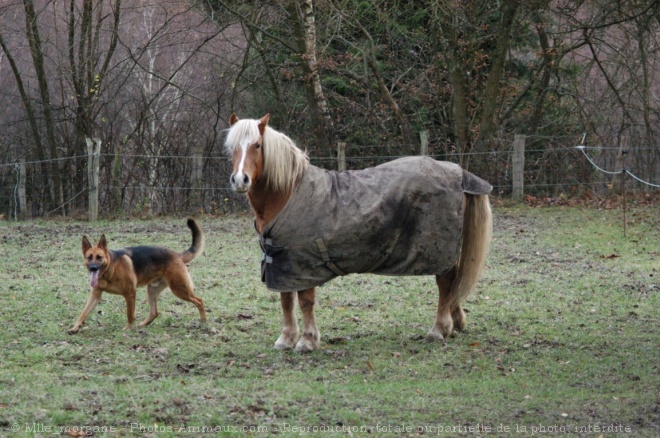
[(290, 330), (94, 298), (153, 292), (311, 337), (130, 307), (182, 287)]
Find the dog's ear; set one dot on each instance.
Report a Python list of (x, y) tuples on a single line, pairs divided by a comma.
[(103, 244), (85, 244)]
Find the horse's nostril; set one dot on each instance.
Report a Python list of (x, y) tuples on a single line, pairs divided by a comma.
[(232, 179), (246, 179)]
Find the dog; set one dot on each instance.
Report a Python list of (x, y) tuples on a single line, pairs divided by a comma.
[(122, 271)]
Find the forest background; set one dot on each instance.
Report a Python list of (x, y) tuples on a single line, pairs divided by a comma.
[(154, 82)]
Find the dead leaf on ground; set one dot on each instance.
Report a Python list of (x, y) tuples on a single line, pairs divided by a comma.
[(185, 368), (177, 401)]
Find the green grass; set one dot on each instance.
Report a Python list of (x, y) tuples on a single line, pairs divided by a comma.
[(563, 333)]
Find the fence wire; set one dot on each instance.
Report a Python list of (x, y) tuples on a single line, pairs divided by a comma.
[(162, 185), (615, 172)]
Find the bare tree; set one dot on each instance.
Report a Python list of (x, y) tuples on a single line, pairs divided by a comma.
[(290, 26), (86, 81), (302, 12), (369, 53)]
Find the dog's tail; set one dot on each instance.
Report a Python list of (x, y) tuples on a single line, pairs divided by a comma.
[(197, 242)]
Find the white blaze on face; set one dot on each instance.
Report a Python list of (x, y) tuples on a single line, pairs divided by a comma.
[(239, 173), (239, 182)]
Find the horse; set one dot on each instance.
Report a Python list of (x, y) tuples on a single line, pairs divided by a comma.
[(410, 216)]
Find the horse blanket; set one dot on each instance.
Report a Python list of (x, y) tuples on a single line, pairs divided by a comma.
[(404, 217)]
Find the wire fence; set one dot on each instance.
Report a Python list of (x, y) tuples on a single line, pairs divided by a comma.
[(134, 185), (620, 171)]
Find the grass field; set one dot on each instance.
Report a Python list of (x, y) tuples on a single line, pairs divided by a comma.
[(563, 337)]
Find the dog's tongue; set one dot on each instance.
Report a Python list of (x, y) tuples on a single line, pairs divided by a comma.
[(94, 278)]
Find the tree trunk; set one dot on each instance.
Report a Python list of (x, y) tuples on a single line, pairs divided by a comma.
[(548, 55), (487, 125), (31, 116), (447, 33), (305, 29), (34, 40)]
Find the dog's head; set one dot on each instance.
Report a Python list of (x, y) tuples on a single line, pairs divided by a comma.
[(96, 258)]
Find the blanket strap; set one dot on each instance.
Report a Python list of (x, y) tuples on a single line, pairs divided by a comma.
[(326, 257), (388, 250), (265, 243)]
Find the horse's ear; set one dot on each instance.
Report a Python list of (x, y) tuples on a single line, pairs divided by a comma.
[(232, 119), (263, 122)]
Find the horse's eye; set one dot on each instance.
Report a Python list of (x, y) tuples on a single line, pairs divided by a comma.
[(257, 145)]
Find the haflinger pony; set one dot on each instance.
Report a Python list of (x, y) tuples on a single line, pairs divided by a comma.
[(410, 216)]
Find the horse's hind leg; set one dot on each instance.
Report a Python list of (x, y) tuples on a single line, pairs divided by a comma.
[(290, 330), (446, 317), (311, 337), (458, 316)]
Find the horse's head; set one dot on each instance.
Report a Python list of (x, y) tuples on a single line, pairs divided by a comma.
[(263, 160), (245, 145)]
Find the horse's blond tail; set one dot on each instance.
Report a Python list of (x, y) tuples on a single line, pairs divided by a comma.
[(477, 233)]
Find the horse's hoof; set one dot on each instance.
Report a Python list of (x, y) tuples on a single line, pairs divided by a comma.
[(308, 343), (304, 348), (434, 337), (285, 342), (282, 345)]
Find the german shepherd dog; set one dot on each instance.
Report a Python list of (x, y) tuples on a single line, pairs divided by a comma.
[(122, 271)]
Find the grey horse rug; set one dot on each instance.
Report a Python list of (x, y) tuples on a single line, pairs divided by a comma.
[(404, 217)]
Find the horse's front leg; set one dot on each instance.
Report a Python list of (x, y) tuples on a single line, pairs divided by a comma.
[(290, 330), (311, 337)]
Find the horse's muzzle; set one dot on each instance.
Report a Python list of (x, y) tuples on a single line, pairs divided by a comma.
[(240, 183)]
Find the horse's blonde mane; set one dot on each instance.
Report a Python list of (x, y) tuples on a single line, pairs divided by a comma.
[(284, 162)]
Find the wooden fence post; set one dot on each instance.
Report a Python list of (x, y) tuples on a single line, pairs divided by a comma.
[(22, 181), (93, 166), (341, 156), (518, 163), (116, 178), (424, 140)]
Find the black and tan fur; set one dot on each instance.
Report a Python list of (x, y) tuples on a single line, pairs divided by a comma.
[(122, 271)]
